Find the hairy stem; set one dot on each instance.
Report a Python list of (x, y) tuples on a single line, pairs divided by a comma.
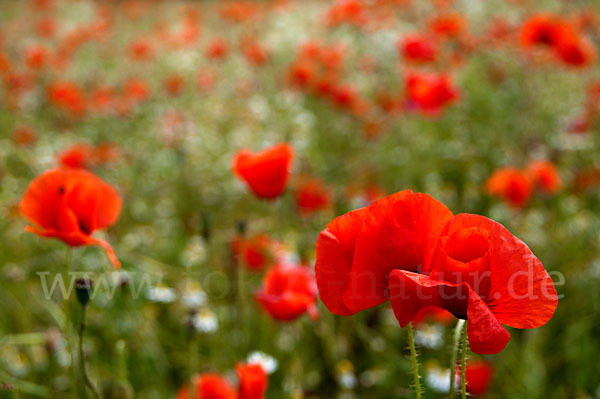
[(454, 355), (463, 363), (415, 363)]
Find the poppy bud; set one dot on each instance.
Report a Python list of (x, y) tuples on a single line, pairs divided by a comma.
[(83, 288), (241, 227)]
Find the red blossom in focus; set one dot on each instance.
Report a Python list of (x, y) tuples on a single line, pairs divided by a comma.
[(70, 204), (266, 172), (410, 249)]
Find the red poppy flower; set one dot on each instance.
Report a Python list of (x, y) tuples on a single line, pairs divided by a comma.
[(479, 272), (46, 27), (77, 156), (429, 93), (136, 89), (254, 52), (24, 136), (256, 251), (252, 381), (266, 172), (174, 84), (410, 249), (450, 25), (418, 48), (217, 49), (67, 96), (576, 50), (141, 49), (545, 176), (208, 386), (358, 250), (433, 314), (511, 184), (311, 195), (70, 204), (478, 376), (37, 57), (542, 29), (288, 292)]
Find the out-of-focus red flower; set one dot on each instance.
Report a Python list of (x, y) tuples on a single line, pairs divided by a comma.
[(302, 73), (449, 25), (238, 11), (542, 29), (141, 49), (174, 84), (311, 195), (217, 49), (24, 136), (576, 50), (67, 96), (255, 53), (569, 45), (266, 172), (77, 156), (586, 179), (545, 176), (253, 381), (434, 314), (106, 152), (288, 292), (101, 99), (347, 11), (418, 48), (70, 204), (46, 27), (206, 79), (511, 184), (208, 386), (478, 376), (255, 251), (37, 57), (136, 89), (429, 92)]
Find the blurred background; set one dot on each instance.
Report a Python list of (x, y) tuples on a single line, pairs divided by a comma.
[(374, 96)]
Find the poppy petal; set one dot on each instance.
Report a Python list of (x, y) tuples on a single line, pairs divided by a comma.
[(522, 293), (411, 292), (351, 274)]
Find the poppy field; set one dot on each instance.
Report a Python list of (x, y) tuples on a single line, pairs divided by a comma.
[(324, 199)]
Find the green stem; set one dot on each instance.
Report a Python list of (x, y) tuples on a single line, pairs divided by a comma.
[(463, 363), (86, 377), (415, 363), (67, 323), (241, 293), (454, 355)]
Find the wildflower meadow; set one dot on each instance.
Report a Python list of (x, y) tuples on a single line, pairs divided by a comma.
[(321, 199)]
